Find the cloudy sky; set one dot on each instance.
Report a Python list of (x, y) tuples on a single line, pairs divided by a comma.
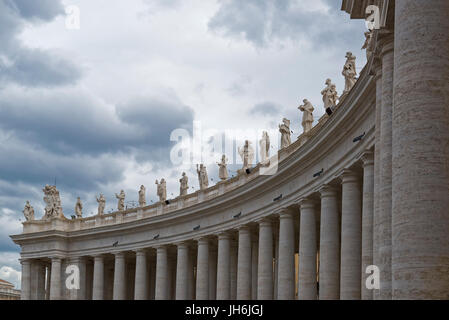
[(93, 108)]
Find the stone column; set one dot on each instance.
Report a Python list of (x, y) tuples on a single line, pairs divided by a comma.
[(212, 273), (141, 282), (223, 267), (351, 237), (79, 294), (47, 280), (25, 293), (161, 274), (329, 245), (98, 287), (202, 270), (367, 220), (420, 222), (233, 269), (55, 282), (385, 157), (182, 272), (254, 264), (119, 292), (286, 264), (307, 289), (191, 275), (265, 268), (376, 214), (276, 259), (244, 264)]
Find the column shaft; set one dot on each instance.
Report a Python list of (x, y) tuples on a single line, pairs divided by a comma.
[(182, 272), (55, 282), (161, 274), (119, 292), (255, 265), (351, 237), (25, 293), (141, 282), (98, 286), (286, 263), (265, 268), (244, 264), (223, 267), (307, 289), (202, 273), (420, 222), (212, 273)]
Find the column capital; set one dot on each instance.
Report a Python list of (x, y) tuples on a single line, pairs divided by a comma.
[(119, 255), (224, 235), (348, 175), (244, 228), (306, 203), (327, 191), (265, 221), (284, 211), (78, 259), (140, 251), (367, 158), (183, 244), (25, 261), (56, 259), (202, 240)]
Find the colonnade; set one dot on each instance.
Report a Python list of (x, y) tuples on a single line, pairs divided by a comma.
[(326, 233)]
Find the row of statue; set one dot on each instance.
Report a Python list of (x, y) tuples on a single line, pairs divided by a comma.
[(52, 200)]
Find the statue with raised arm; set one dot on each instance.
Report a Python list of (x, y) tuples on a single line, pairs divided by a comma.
[(368, 46), (184, 185), (101, 204), (142, 200), (349, 72), (307, 116), (264, 145), (284, 129), (222, 168), (28, 212), (79, 208), (202, 176), (162, 190), (53, 208), (247, 155), (121, 200)]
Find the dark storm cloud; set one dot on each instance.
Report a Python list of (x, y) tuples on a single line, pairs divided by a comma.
[(70, 122), (25, 66), (263, 21), (266, 109)]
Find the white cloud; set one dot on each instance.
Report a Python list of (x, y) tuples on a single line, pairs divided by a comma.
[(11, 275)]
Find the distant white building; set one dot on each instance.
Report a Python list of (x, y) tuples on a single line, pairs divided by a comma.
[(7, 291)]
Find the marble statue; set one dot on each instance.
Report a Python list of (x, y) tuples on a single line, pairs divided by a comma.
[(349, 72), (264, 148), (330, 96), (247, 155), (368, 46), (142, 200), (121, 200), (101, 204), (202, 176), (223, 170), (53, 208), (184, 187), (284, 129), (307, 116), (28, 212), (162, 190), (79, 208)]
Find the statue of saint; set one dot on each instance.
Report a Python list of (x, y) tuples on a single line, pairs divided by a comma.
[(330, 96), (202, 176), (247, 155), (53, 208), (101, 204), (121, 200), (349, 72), (307, 116), (79, 208), (223, 170), (264, 145), (142, 201), (368, 46), (162, 190), (28, 212), (284, 129), (184, 187)]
